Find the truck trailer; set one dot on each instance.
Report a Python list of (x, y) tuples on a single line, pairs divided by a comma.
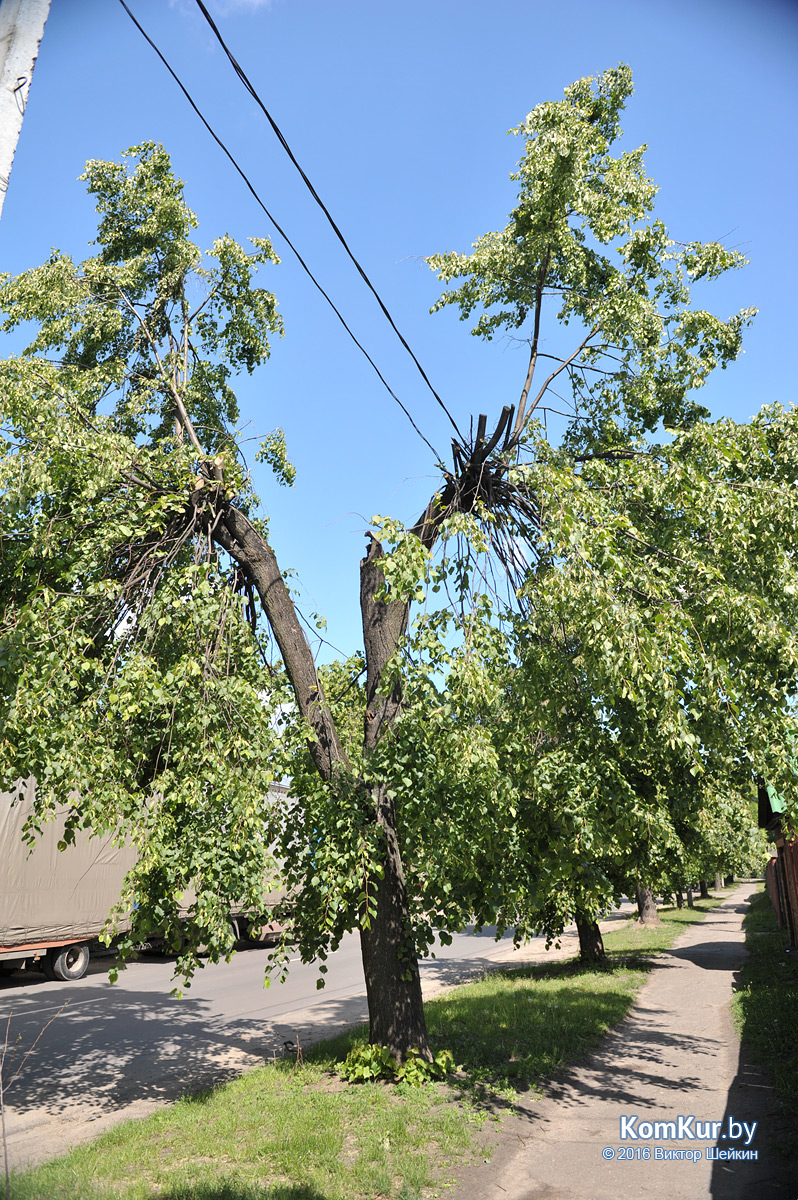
[(55, 904)]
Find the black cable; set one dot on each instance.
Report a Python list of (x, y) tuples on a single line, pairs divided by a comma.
[(282, 232), (281, 138)]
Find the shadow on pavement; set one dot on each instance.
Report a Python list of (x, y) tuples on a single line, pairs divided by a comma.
[(137, 1046), (446, 972), (712, 956), (599, 1077)]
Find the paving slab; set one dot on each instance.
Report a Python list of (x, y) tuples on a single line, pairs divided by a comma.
[(675, 1060)]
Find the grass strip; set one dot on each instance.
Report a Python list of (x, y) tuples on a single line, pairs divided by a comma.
[(293, 1131), (765, 1008), (635, 939)]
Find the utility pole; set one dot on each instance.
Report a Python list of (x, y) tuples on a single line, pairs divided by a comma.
[(21, 29)]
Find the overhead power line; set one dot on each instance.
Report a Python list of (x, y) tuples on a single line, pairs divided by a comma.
[(282, 140), (280, 230)]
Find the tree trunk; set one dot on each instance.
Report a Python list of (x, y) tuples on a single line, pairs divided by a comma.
[(248, 547), (390, 961), (679, 898), (690, 898), (646, 906), (591, 943), (718, 881), (390, 964), (703, 889)]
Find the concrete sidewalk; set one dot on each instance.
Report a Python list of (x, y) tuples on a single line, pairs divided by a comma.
[(676, 1055)]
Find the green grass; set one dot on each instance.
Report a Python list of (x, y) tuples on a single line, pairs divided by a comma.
[(282, 1132), (294, 1131), (766, 1006), (514, 1029), (635, 939)]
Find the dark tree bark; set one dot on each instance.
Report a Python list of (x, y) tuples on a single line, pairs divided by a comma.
[(390, 962), (646, 906), (703, 889), (679, 898), (249, 548), (387, 947), (690, 898), (591, 943)]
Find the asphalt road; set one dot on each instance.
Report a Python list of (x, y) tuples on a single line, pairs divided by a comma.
[(105, 1051)]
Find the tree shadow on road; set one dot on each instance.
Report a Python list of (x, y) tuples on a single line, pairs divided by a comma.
[(106, 1051), (110, 1047)]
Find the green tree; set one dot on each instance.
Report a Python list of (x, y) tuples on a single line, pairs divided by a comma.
[(137, 684), (582, 241), (631, 550), (131, 684), (136, 679), (656, 656)]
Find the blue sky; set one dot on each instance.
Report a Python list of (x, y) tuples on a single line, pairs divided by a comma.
[(399, 113)]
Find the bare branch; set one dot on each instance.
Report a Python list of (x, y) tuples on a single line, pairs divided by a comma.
[(565, 363), (533, 353)]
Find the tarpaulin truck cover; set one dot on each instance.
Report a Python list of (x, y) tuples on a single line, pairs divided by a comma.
[(47, 895), (50, 897)]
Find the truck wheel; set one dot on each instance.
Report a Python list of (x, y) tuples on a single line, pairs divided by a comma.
[(67, 962)]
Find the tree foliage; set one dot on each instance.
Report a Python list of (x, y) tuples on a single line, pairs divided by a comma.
[(131, 684), (656, 653), (507, 753), (582, 239)]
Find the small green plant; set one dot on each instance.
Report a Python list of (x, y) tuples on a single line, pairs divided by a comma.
[(416, 1070), (365, 1063)]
